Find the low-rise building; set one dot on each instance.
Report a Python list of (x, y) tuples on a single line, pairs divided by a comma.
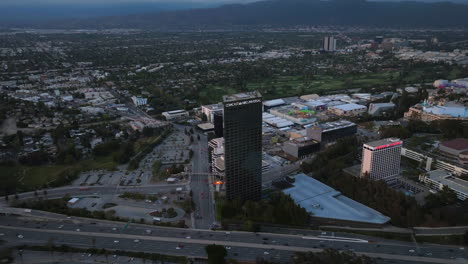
[(348, 109), (378, 109), (332, 131), (437, 179), (175, 115), (301, 147), (211, 110), (456, 148)]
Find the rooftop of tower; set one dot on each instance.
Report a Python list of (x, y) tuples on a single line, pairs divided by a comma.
[(241, 96)]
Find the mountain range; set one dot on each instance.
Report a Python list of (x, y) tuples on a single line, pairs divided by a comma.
[(286, 13)]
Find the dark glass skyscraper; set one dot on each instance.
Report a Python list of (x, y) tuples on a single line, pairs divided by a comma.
[(243, 145)]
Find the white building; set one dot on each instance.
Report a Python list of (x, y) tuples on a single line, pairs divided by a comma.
[(175, 115), (210, 110), (437, 179), (348, 109), (381, 160), (329, 44), (138, 101)]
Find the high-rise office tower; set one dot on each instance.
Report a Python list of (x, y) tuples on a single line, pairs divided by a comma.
[(243, 145), (329, 44), (381, 160)]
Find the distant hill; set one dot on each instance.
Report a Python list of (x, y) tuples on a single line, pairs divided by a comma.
[(289, 13)]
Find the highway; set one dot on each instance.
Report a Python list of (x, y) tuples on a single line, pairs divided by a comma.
[(189, 242)]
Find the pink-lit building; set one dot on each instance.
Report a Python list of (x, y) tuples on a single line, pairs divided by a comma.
[(381, 160)]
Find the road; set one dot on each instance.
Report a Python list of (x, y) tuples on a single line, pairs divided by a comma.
[(98, 190), (200, 184), (240, 245)]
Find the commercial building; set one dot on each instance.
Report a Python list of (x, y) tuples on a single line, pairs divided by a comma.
[(437, 179), (139, 101), (301, 147), (273, 103), (218, 124), (348, 109), (300, 116), (329, 44), (380, 108), (243, 145), (275, 121), (456, 148), (211, 110), (175, 115), (332, 131), (432, 113), (381, 160), (329, 206)]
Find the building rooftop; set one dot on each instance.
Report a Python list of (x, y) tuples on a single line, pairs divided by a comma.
[(335, 125), (446, 178), (457, 144), (241, 96), (453, 111), (349, 107), (213, 107), (325, 202), (387, 142), (275, 102)]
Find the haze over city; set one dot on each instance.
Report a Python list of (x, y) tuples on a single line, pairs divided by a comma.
[(233, 131)]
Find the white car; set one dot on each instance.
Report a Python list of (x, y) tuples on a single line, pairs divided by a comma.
[(114, 229), (266, 253), (188, 237), (177, 248), (228, 247), (20, 236), (78, 230), (411, 250), (116, 241), (136, 240), (60, 226)]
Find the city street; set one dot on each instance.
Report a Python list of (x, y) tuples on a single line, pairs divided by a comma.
[(200, 184)]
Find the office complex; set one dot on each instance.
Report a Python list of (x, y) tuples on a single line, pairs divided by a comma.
[(332, 131), (381, 160), (329, 44), (243, 145)]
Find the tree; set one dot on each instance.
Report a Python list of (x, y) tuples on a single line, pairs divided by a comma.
[(216, 254)]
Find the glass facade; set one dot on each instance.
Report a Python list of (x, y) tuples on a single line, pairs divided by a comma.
[(243, 146)]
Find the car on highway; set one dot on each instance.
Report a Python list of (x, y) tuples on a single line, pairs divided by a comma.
[(60, 227), (136, 240), (116, 241), (78, 230), (20, 236)]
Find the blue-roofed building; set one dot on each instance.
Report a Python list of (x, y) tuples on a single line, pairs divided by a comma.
[(330, 206)]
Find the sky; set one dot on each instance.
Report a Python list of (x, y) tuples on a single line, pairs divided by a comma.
[(75, 2), (40, 2)]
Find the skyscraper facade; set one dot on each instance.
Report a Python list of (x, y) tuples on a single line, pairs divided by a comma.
[(243, 145), (329, 44), (381, 160)]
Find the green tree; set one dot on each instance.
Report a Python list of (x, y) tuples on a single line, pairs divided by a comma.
[(216, 254)]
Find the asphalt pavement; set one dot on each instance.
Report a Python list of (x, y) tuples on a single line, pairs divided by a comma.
[(240, 245)]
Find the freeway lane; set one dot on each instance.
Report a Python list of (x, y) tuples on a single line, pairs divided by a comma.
[(245, 245)]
